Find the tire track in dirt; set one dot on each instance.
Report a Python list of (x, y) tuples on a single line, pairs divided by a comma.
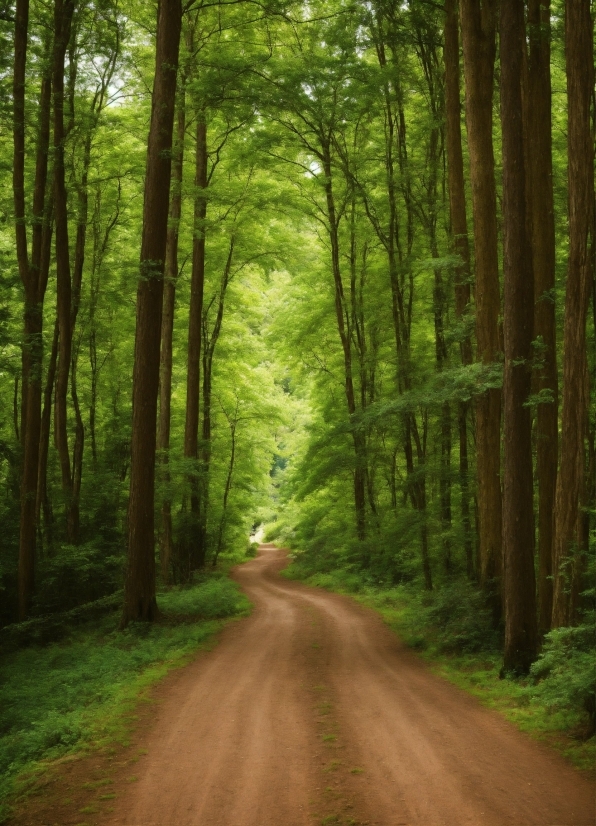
[(311, 711)]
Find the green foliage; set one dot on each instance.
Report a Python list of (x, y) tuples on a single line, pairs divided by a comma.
[(565, 672), (458, 619), (214, 598), (252, 549), (78, 574)]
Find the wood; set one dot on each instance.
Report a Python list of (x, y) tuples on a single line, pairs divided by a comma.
[(139, 594), (167, 331), (478, 25), (358, 437), (63, 13), (208, 350), (197, 286), (34, 276), (540, 189), (461, 247), (579, 52), (521, 638)]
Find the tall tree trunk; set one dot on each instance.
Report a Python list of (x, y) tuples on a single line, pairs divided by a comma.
[(570, 482), (228, 486), (78, 450), (195, 318), (34, 275), (167, 330), (345, 338), (139, 593), (478, 24), (459, 232), (540, 189), (63, 13), (72, 516), (208, 350), (521, 637), (42, 498)]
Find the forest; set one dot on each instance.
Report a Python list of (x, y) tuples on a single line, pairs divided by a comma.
[(323, 267)]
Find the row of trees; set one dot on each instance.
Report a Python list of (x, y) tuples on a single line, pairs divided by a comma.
[(81, 105), (310, 187), (378, 120)]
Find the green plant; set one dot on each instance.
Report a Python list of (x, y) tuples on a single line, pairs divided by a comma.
[(565, 672)]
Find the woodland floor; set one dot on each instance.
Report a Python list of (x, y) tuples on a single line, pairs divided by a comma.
[(311, 711)]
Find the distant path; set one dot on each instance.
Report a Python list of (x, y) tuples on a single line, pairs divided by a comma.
[(310, 711)]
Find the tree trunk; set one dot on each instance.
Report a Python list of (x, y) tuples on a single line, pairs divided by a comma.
[(209, 345), (197, 286), (63, 13), (540, 189), (139, 594), (518, 496), (461, 247), (478, 36), (42, 499), (167, 330), (580, 275), (228, 486), (34, 275), (345, 338)]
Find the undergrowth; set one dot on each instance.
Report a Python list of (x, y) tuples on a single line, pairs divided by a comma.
[(451, 629), (80, 693)]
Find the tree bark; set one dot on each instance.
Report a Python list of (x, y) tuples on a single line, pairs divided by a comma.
[(34, 275), (208, 351), (197, 286), (478, 36), (63, 13), (461, 247), (139, 594), (167, 330), (580, 277), (42, 499), (540, 190), (233, 422), (518, 495), (345, 338)]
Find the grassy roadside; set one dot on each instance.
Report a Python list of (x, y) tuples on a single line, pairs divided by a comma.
[(476, 672), (80, 694)]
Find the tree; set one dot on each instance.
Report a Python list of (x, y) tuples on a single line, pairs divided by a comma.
[(518, 494), (461, 246), (167, 327), (540, 192), (567, 565), (139, 595), (63, 14), (34, 271), (478, 24)]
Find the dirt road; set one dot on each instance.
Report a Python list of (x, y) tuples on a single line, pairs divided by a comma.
[(310, 711)]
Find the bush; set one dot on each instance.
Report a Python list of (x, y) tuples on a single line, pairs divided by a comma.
[(252, 549), (212, 599), (565, 671), (459, 618)]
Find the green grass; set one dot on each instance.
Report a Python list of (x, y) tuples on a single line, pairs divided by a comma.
[(81, 693), (475, 671)]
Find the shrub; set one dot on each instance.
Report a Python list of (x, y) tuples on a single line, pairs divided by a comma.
[(212, 599), (460, 619), (565, 671)]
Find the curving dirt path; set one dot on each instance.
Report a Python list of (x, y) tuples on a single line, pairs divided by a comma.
[(310, 711)]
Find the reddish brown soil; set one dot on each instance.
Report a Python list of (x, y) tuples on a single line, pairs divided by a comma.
[(311, 711)]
